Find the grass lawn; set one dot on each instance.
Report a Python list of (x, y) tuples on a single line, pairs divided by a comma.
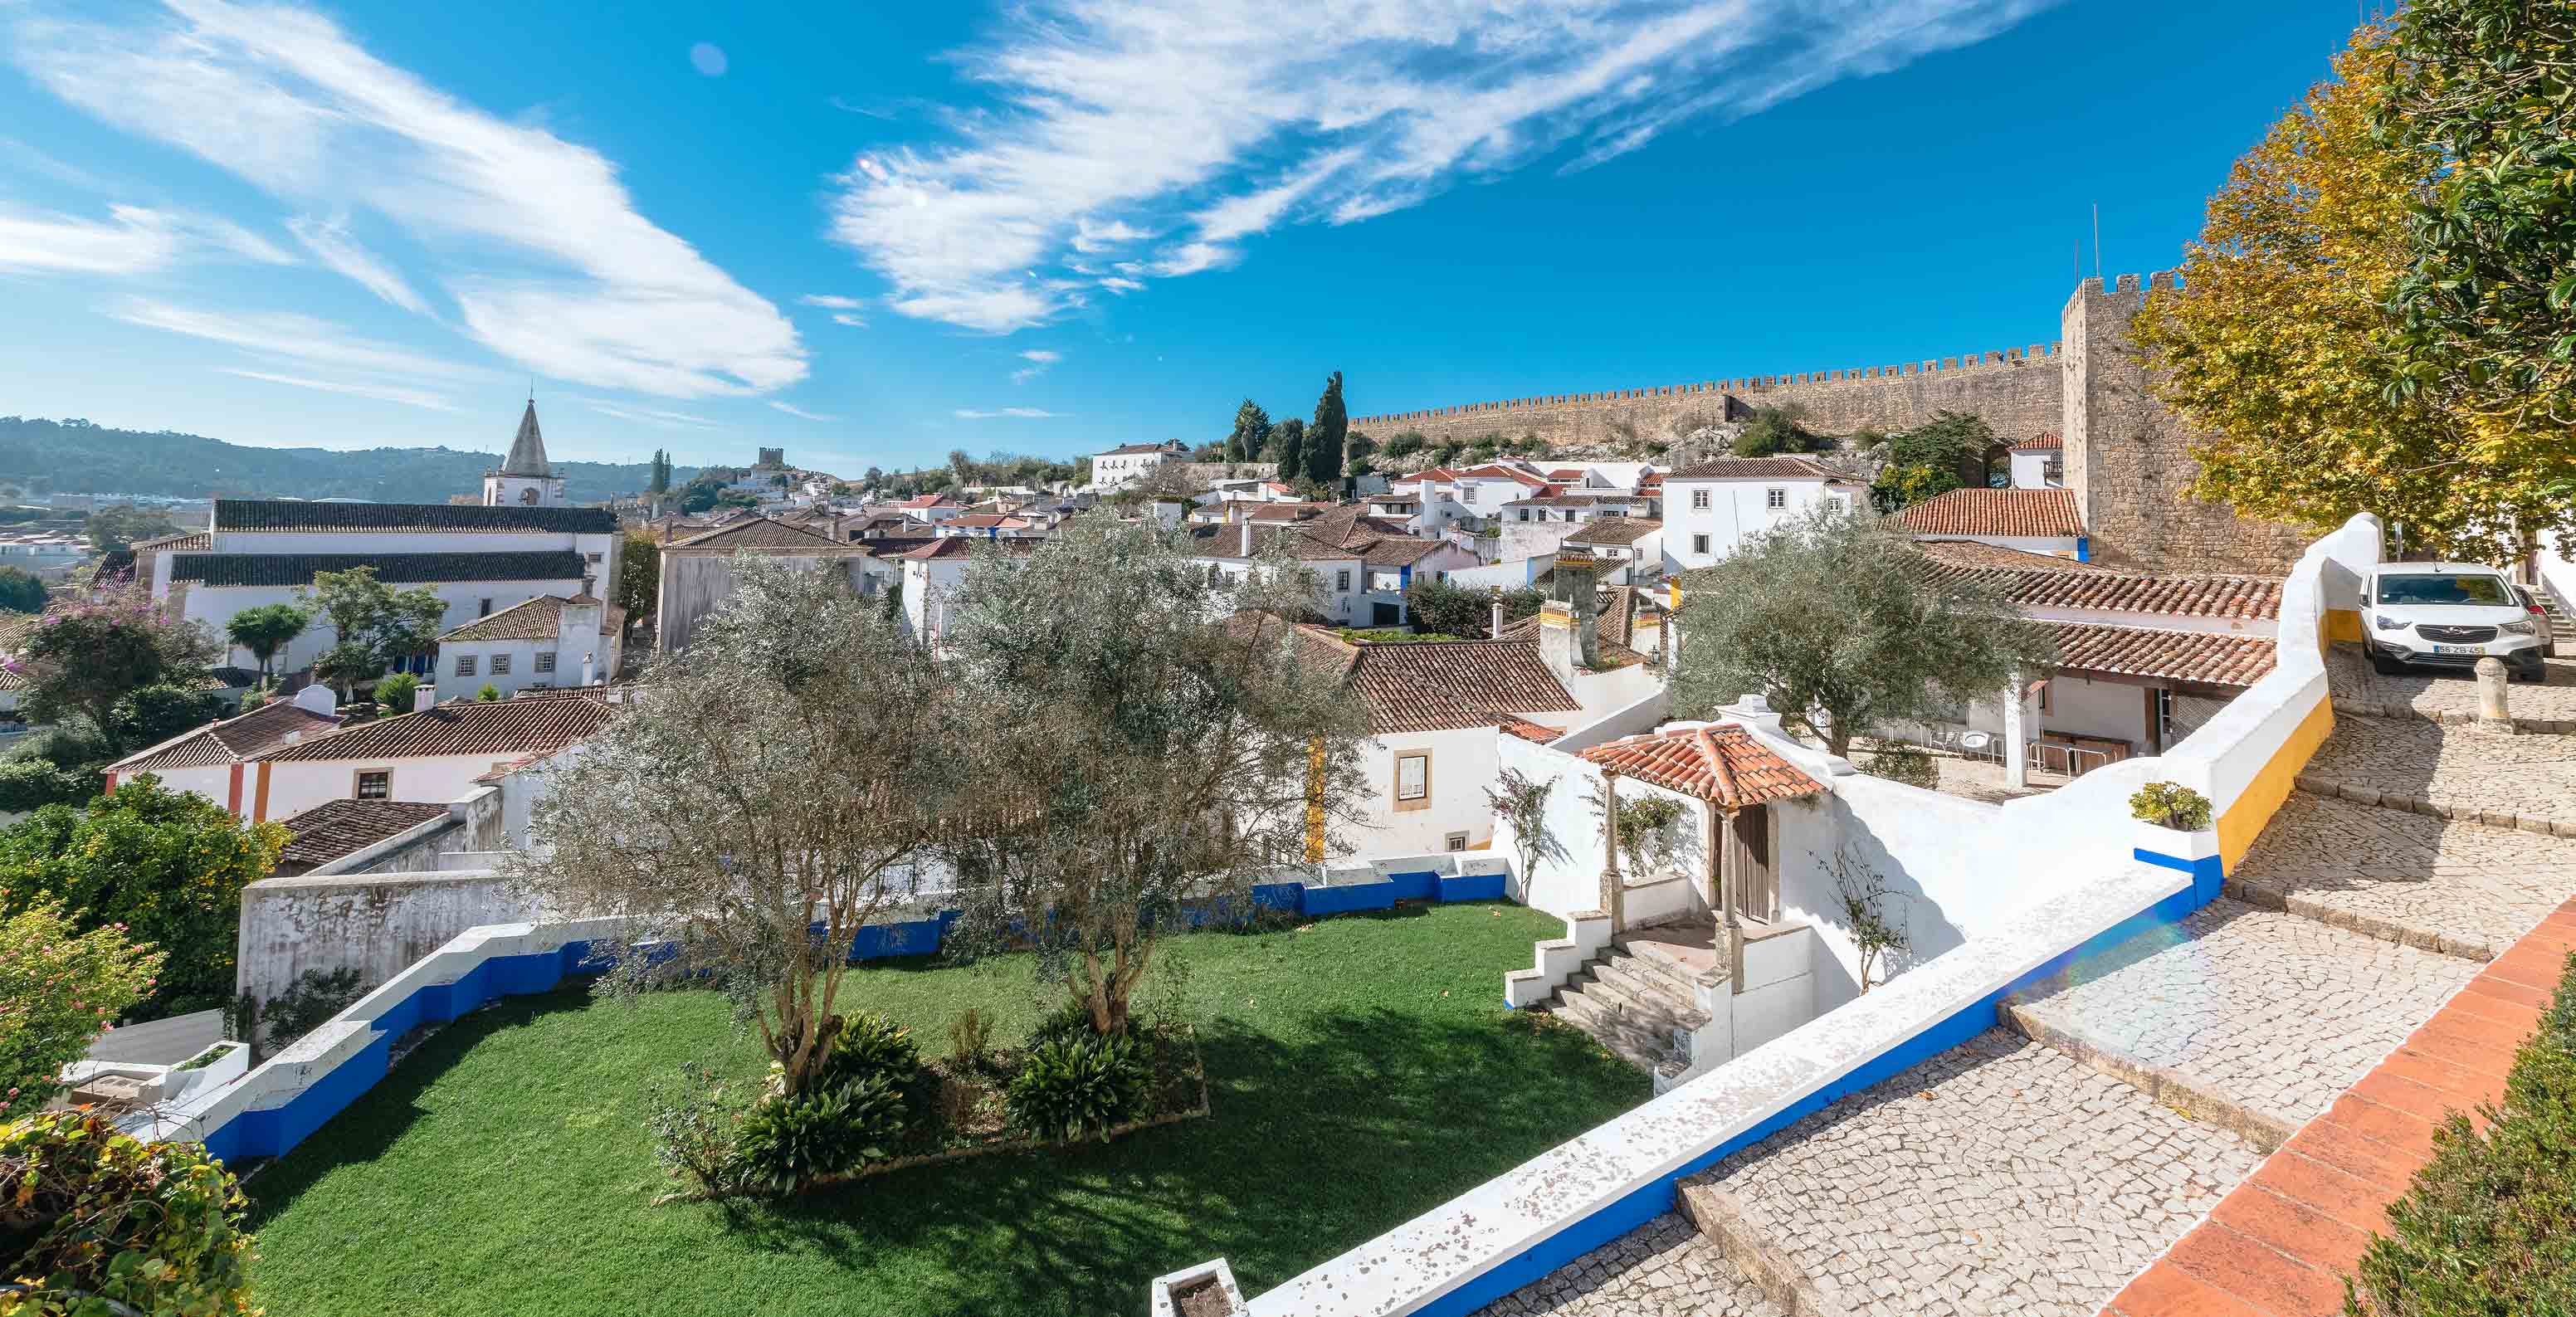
[(1362, 1069)]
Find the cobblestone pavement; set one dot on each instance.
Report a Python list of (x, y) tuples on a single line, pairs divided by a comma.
[(2000, 1177), (2532, 775), (2466, 884), (2213, 999), (2446, 693), (1664, 1268)]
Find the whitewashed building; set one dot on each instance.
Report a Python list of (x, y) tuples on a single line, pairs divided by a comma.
[(1712, 507), (1128, 463), (541, 644)]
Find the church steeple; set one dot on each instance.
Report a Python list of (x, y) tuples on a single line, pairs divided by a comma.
[(528, 451)]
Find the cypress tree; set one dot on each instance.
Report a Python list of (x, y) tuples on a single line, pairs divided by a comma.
[(1288, 444), (1324, 439)]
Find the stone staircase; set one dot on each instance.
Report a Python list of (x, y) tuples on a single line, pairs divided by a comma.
[(1636, 1000)]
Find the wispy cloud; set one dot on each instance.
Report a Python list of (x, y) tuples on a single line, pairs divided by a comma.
[(330, 241), (1170, 131), (131, 240), (1007, 413), (357, 388), (653, 416), (1039, 359), (845, 310), (292, 337), (800, 413), (567, 277)]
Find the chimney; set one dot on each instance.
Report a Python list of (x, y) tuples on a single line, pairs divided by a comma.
[(424, 696), (587, 661), (1247, 539), (1575, 573), (1495, 628)]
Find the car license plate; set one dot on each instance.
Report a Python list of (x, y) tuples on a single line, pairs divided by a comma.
[(2456, 649)]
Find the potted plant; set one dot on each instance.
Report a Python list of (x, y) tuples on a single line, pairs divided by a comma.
[(1206, 1290), (2174, 830)]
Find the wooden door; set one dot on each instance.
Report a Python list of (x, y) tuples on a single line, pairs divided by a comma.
[(1754, 877)]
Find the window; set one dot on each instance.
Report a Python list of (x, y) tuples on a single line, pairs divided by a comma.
[(1412, 778), (500, 665), (1525, 514), (1699, 500), (1342, 579), (486, 610), (1699, 544), (1466, 493), (376, 786), (1775, 499), (546, 659), (591, 558), (465, 665), (1456, 841)]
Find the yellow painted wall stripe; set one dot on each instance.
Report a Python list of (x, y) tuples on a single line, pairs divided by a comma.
[(2262, 797)]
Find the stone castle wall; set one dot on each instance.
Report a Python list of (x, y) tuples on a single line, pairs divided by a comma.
[(2016, 390)]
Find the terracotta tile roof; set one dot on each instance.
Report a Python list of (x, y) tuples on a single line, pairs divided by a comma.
[(1757, 468), (336, 828), (1721, 764), (1576, 500), (180, 543), (2036, 581), (231, 740), (1497, 471), (893, 546), (2046, 443), (961, 547), (540, 618), (1566, 473), (496, 729), (757, 533), (926, 501), (1530, 731), (1399, 551), (986, 521), (1615, 530), (1282, 511), (2196, 658), (1168, 446), (283, 514), (2022, 513), (1446, 685), (270, 569), (1614, 625)]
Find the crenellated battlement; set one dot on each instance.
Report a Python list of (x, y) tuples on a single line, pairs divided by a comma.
[(2008, 359)]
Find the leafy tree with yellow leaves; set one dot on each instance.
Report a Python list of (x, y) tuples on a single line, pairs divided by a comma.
[(2281, 345)]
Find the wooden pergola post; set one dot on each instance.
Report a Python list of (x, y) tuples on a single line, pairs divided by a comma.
[(1612, 887)]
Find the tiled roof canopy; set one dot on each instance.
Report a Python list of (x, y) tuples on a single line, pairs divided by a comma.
[(336, 828), (244, 514), (495, 729), (540, 618), (1616, 530), (2023, 513), (1448, 685), (215, 569), (1723, 765), (2036, 582), (2046, 443), (2181, 658), (1757, 468), (179, 543), (229, 741), (961, 547), (758, 533)]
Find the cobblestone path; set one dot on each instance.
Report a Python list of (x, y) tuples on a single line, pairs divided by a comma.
[(2429, 695), (2267, 1010), (2530, 776), (2460, 887), (1665, 1268)]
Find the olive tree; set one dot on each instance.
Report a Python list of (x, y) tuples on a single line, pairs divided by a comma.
[(766, 795), (1845, 627), (1144, 733)]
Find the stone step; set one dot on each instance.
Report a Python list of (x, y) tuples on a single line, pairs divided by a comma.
[(1644, 1049), (2255, 1020), (2559, 822), (2414, 879), (1650, 993), (1604, 1013), (1651, 958)]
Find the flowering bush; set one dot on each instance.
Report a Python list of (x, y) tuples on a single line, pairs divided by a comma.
[(94, 1222), (85, 653), (59, 990)]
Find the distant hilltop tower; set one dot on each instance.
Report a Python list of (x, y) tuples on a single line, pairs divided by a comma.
[(524, 478), (772, 459)]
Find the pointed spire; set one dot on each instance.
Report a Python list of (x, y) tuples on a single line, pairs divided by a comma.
[(528, 451)]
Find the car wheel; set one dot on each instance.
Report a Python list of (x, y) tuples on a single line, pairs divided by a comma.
[(2384, 665)]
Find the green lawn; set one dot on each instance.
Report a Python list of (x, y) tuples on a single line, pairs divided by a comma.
[(1363, 1070)]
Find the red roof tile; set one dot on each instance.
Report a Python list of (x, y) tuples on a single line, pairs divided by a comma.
[(1721, 764), (2046, 443), (2019, 513), (336, 828), (2038, 581), (2197, 658), (229, 741), (493, 729), (1757, 468)]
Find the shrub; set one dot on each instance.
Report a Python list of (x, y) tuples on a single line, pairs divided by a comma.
[(490, 694), (970, 1039), (395, 693), (1909, 764), (2489, 1224), (787, 1142), (2170, 805), (59, 990), (1404, 444), (307, 1003), (1070, 1020), (1070, 1087), (869, 1044), (98, 1219), (693, 1124)]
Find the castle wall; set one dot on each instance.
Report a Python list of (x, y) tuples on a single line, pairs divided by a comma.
[(2017, 391)]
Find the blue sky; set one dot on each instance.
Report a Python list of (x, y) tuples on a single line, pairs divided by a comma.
[(872, 234)]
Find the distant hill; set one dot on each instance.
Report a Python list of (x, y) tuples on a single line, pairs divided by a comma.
[(81, 458)]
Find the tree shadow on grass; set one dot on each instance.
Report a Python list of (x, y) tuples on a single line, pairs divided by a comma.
[(1314, 1146)]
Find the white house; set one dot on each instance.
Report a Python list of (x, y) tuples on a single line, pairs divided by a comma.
[(1132, 462), (2045, 521), (1712, 507), (1341, 589), (1629, 549), (698, 572), (213, 760), (1540, 522), (1392, 564), (2039, 463), (542, 643), (932, 575)]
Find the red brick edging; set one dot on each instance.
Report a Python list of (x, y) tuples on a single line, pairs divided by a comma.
[(2281, 1243)]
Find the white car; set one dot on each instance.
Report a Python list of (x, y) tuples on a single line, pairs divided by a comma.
[(2447, 615)]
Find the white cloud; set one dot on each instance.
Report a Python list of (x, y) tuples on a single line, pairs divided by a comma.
[(1007, 413), (330, 240), (291, 336), (1039, 360), (647, 415), (381, 392), (1172, 129), (832, 300), (708, 58), (850, 318), (131, 240), (566, 276), (800, 413)]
